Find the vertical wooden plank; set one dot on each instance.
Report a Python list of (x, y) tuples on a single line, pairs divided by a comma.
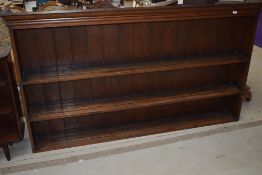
[(169, 39), (218, 74), (82, 90), (195, 36), (179, 79), (26, 47), (112, 86), (141, 42), (51, 92), (95, 45), (211, 37), (135, 115), (201, 37), (166, 81), (56, 126), (216, 34), (40, 128), (161, 112), (198, 41), (67, 92), (35, 96), (237, 34), (231, 30), (126, 84), (155, 45), (140, 83), (183, 41), (126, 43), (189, 78), (46, 50), (229, 34), (154, 79), (97, 88), (79, 45), (108, 120), (63, 47), (203, 78), (110, 41), (221, 34), (80, 122)]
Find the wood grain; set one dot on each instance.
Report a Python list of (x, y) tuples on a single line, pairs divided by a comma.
[(156, 66), (139, 102), (106, 74)]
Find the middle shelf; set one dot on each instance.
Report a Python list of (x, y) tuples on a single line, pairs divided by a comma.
[(77, 72), (132, 102)]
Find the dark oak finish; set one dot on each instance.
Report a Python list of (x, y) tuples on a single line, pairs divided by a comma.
[(11, 125), (83, 136), (101, 75), (158, 66), (129, 103)]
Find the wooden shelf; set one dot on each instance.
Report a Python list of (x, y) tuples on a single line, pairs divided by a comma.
[(185, 63), (83, 136), (147, 72), (132, 103)]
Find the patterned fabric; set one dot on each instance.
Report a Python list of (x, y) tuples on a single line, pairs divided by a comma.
[(53, 8), (4, 37), (13, 10)]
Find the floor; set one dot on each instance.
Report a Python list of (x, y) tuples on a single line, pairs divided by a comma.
[(226, 149)]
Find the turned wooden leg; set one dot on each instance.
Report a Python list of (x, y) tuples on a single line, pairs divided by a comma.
[(6, 151), (247, 94)]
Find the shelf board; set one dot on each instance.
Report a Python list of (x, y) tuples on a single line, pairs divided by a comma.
[(132, 103), (157, 66), (83, 136)]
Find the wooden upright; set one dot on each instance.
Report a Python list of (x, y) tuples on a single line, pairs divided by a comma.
[(101, 75)]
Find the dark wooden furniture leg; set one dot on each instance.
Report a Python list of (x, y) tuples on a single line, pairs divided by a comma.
[(247, 94), (6, 151)]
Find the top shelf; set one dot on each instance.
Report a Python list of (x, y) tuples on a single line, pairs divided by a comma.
[(70, 74)]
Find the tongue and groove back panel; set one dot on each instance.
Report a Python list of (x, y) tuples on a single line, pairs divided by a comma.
[(85, 84), (56, 49)]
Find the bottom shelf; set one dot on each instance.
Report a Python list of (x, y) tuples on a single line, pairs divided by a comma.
[(84, 136)]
